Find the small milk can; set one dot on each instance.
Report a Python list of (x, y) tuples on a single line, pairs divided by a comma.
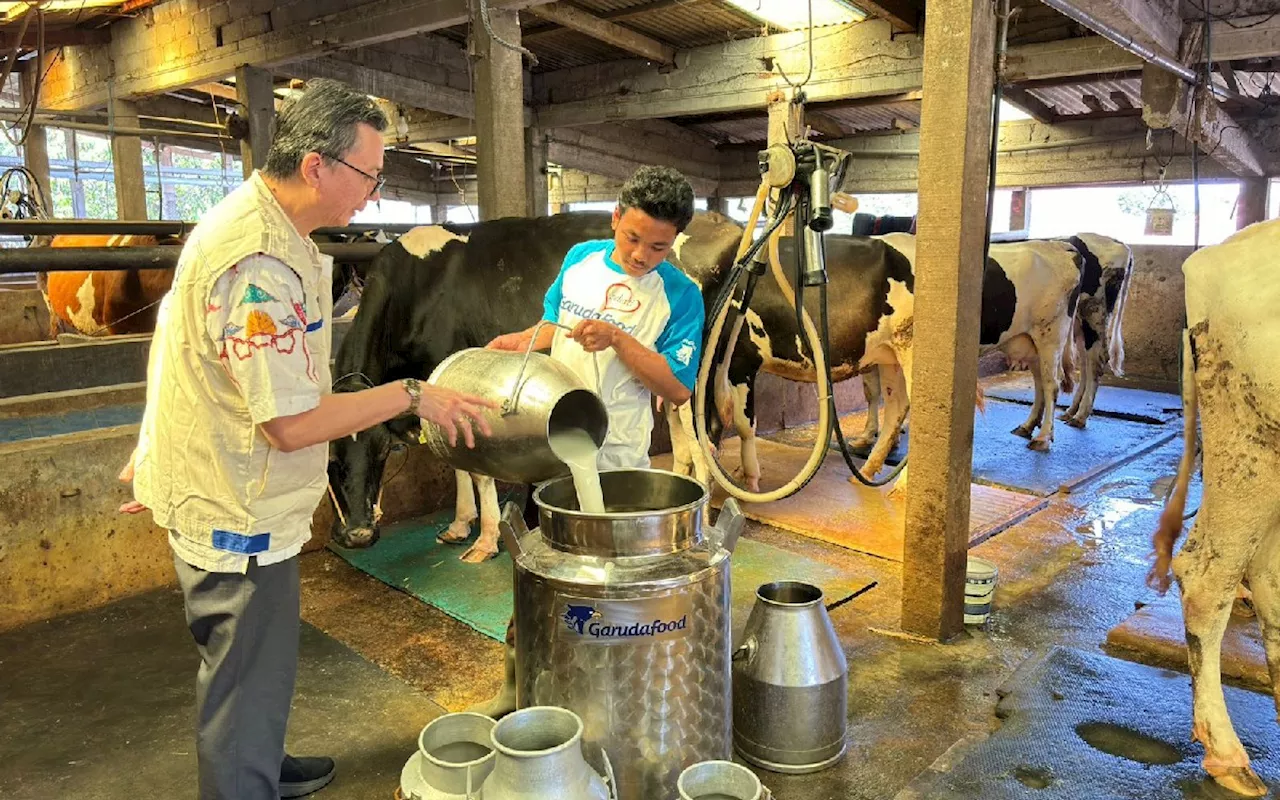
[(537, 397), (539, 757), (790, 682)]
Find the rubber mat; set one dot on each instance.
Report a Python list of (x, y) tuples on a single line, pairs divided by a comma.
[(20, 429), (1120, 402), (408, 558), (833, 509), (1083, 726), (1154, 635), (1002, 459)]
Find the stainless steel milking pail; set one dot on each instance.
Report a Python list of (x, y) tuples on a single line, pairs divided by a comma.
[(537, 397), (623, 618), (790, 682)]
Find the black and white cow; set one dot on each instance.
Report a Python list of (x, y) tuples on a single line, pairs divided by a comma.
[(1097, 338), (1029, 294), (1231, 380), (437, 290)]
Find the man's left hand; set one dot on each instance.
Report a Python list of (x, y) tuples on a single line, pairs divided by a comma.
[(595, 335), (126, 476)]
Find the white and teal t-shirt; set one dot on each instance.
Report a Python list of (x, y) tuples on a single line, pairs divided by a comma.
[(663, 310)]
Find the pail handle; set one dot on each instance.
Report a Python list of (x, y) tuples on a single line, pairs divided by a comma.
[(509, 405), (609, 776)]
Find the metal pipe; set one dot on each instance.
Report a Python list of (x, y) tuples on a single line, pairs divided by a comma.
[(18, 260), (107, 227), (1127, 42)]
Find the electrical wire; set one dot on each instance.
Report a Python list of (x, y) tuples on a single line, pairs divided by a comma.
[(808, 76)]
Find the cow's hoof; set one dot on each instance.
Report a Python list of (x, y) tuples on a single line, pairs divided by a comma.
[(1241, 780), (356, 538), (1039, 445), (457, 533), (1075, 422), (753, 485), (1023, 431), (478, 555)]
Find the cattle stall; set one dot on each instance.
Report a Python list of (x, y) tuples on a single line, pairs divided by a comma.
[(953, 468)]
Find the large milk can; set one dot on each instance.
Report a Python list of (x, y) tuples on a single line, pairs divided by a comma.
[(623, 618), (537, 397)]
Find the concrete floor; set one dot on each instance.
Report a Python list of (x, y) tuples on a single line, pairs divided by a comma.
[(98, 705)]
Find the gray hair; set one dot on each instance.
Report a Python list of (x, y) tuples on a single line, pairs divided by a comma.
[(320, 119)]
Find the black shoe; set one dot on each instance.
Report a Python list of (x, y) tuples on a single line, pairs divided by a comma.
[(300, 777)]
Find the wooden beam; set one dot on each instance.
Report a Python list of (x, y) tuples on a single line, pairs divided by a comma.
[(538, 32), (219, 90), (862, 63), (824, 124), (1092, 102), (1228, 76), (955, 128), (611, 33), (903, 15), (1251, 204), (1157, 24), (389, 86), (1167, 103), (148, 59), (257, 96), (1026, 101), (499, 116), (66, 37), (126, 163), (1121, 100)]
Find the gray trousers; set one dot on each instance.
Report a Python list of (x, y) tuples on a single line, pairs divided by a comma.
[(246, 629)]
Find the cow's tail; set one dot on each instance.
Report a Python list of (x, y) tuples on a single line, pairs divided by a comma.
[(1115, 325), (980, 398), (1166, 535)]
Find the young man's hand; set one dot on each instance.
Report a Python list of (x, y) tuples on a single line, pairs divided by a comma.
[(595, 335), (517, 342)]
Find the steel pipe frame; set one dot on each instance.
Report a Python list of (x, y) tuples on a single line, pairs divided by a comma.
[(19, 260), (108, 227)]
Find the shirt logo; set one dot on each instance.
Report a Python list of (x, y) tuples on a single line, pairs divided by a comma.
[(684, 353), (619, 297)]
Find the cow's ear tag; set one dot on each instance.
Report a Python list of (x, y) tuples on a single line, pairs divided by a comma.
[(422, 435)]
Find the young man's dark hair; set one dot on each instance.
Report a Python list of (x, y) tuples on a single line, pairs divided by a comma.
[(662, 193)]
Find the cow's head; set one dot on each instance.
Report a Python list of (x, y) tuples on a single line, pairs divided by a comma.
[(356, 465)]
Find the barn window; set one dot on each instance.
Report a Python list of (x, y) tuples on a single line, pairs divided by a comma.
[(1121, 211)]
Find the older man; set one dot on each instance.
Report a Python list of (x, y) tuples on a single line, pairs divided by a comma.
[(232, 452)]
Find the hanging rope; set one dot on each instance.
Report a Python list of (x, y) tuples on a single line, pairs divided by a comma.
[(488, 28)]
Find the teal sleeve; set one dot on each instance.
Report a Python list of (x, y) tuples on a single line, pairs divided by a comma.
[(680, 343)]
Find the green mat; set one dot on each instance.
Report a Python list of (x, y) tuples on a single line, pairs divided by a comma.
[(408, 558)]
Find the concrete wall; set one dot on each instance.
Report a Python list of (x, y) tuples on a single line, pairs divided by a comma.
[(24, 316), (1154, 312)]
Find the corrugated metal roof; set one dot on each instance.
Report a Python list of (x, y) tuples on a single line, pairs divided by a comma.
[(1068, 100), (862, 119), (734, 131), (695, 26), (565, 48)]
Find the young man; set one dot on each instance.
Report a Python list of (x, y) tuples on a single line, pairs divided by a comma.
[(635, 312), (630, 310), (232, 453)]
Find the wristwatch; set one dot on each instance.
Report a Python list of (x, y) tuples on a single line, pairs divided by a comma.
[(414, 389)]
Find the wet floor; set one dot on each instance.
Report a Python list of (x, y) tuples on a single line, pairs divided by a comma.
[(1067, 574)]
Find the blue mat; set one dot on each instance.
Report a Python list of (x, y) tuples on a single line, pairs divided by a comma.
[(1121, 402), (20, 429), (408, 558)]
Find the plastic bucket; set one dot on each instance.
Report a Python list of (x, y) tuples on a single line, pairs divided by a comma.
[(979, 590)]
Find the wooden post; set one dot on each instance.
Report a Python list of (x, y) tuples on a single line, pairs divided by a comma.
[(1251, 205), (535, 164), (35, 150), (955, 133), (500, 145), (126, 161), (256, 93)]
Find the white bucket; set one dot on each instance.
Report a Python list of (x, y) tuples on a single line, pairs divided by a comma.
[(979, 590)]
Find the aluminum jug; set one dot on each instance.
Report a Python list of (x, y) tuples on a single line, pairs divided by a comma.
[(720, 780), (790, 682), (455, 756), (539, 757), (537, 396)]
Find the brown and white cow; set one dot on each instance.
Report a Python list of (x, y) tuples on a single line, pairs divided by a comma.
[(1231, 380), (104, 302)]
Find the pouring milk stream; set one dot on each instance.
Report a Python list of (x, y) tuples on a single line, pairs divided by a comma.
[(576, 448)]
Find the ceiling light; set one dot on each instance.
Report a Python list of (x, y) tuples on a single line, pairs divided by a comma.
[(794, 15)]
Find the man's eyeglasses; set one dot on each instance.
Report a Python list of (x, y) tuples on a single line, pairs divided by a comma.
[(378, 180)]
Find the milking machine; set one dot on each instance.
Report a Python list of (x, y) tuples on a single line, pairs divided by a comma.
[(801, 174)]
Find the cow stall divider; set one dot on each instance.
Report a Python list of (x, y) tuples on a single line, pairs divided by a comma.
[(803, 173)]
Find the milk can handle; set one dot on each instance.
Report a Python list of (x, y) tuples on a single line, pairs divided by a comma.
[(508, 406), (609, 776), (746, 650)]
